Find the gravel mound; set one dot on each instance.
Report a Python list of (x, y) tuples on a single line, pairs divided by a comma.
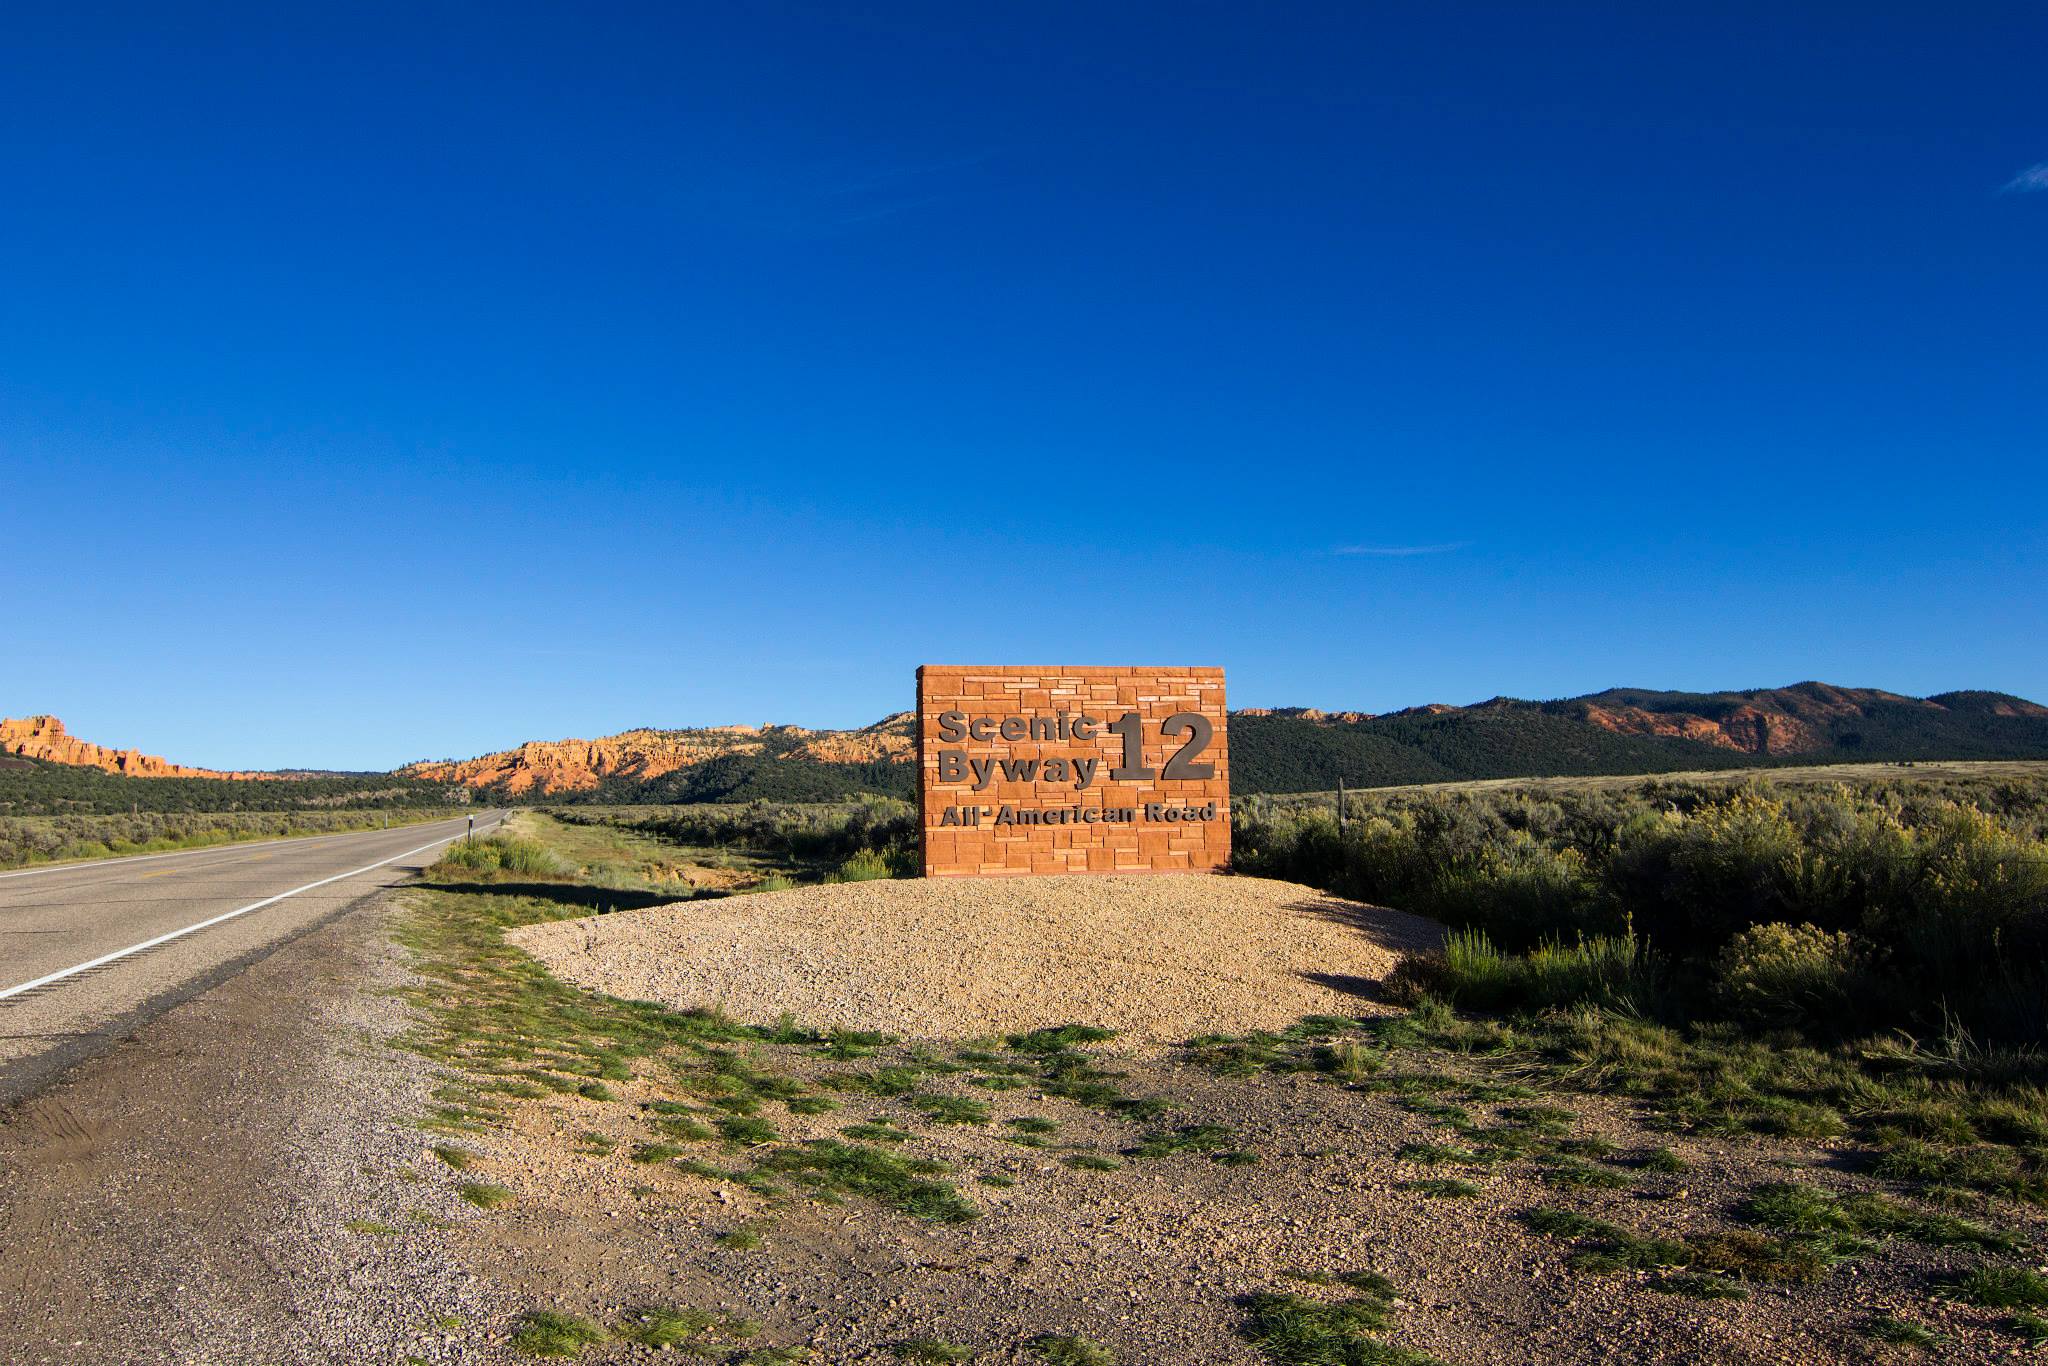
[(1158, 958)]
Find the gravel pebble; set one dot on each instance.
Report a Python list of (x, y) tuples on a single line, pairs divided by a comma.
[(1158, 958)]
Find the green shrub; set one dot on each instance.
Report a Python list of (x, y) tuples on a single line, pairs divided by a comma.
[(1941, 886), (789, 831), (1783, 976), (865, 866)]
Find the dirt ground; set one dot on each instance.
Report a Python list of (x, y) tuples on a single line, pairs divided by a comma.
[(1152, 1259), (243, 1182)]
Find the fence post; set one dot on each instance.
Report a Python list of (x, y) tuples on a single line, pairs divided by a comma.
[(1340, 805)]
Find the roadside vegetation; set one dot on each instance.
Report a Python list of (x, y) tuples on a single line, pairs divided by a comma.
[(1646, 985), (796, 839), (39, 787), (1829, 913), (1765, 959), (1854, 971), (26, 840)]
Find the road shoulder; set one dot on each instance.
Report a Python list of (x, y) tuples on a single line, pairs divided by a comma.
[(231, 1181)]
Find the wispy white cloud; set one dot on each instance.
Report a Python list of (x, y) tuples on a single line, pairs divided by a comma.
[(1401, 550), (2030, 181)]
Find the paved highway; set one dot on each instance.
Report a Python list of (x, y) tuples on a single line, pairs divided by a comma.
[(89, 951)]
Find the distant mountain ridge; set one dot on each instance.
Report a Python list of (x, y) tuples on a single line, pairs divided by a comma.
[(1286, 749), (1292, 749), (1628, 730)]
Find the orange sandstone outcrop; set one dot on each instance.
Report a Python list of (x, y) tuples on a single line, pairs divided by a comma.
[(44, 737), (549, 766), (1770, 721), (1307, 714)]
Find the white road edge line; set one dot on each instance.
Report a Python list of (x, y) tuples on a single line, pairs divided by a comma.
[(166, 938), (232, 847)]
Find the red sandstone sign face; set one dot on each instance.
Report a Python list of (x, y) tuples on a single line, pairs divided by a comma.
[(1030, 769)]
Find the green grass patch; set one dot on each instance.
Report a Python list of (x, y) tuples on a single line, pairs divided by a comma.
[(930, 1351), (877, 1133), (746, 1129), (1062, 1350), (1294, 1330), (833, 1167), (1188, 1138), (484, 1195), (662, 1327), (1808, 1211), (1740, 1254), (1663, 1160), (1003, 1082), (1693, 1285), (2031, 1326), (2001, 1287), (886, 1082), (1898, 1332), (1091, 1162), (950, 1109), (1059, 1039), (1909, 1107), (1439, 1154), (845, 1045), (546, 1333), (686, 1127)]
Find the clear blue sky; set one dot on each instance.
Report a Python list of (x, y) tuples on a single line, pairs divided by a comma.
[(385, 383)]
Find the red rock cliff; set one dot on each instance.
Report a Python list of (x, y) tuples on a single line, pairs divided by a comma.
[(44, 737), (548, 766)]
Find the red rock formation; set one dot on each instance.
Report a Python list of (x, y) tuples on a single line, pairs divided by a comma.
[(549, 766), (892, 737), (44, 737), (1636, 721), (1771, 721)]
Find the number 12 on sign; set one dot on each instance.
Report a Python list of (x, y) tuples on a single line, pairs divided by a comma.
[(1182, 766)]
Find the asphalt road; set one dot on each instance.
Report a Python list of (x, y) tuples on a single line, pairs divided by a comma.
[(147, 918)]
